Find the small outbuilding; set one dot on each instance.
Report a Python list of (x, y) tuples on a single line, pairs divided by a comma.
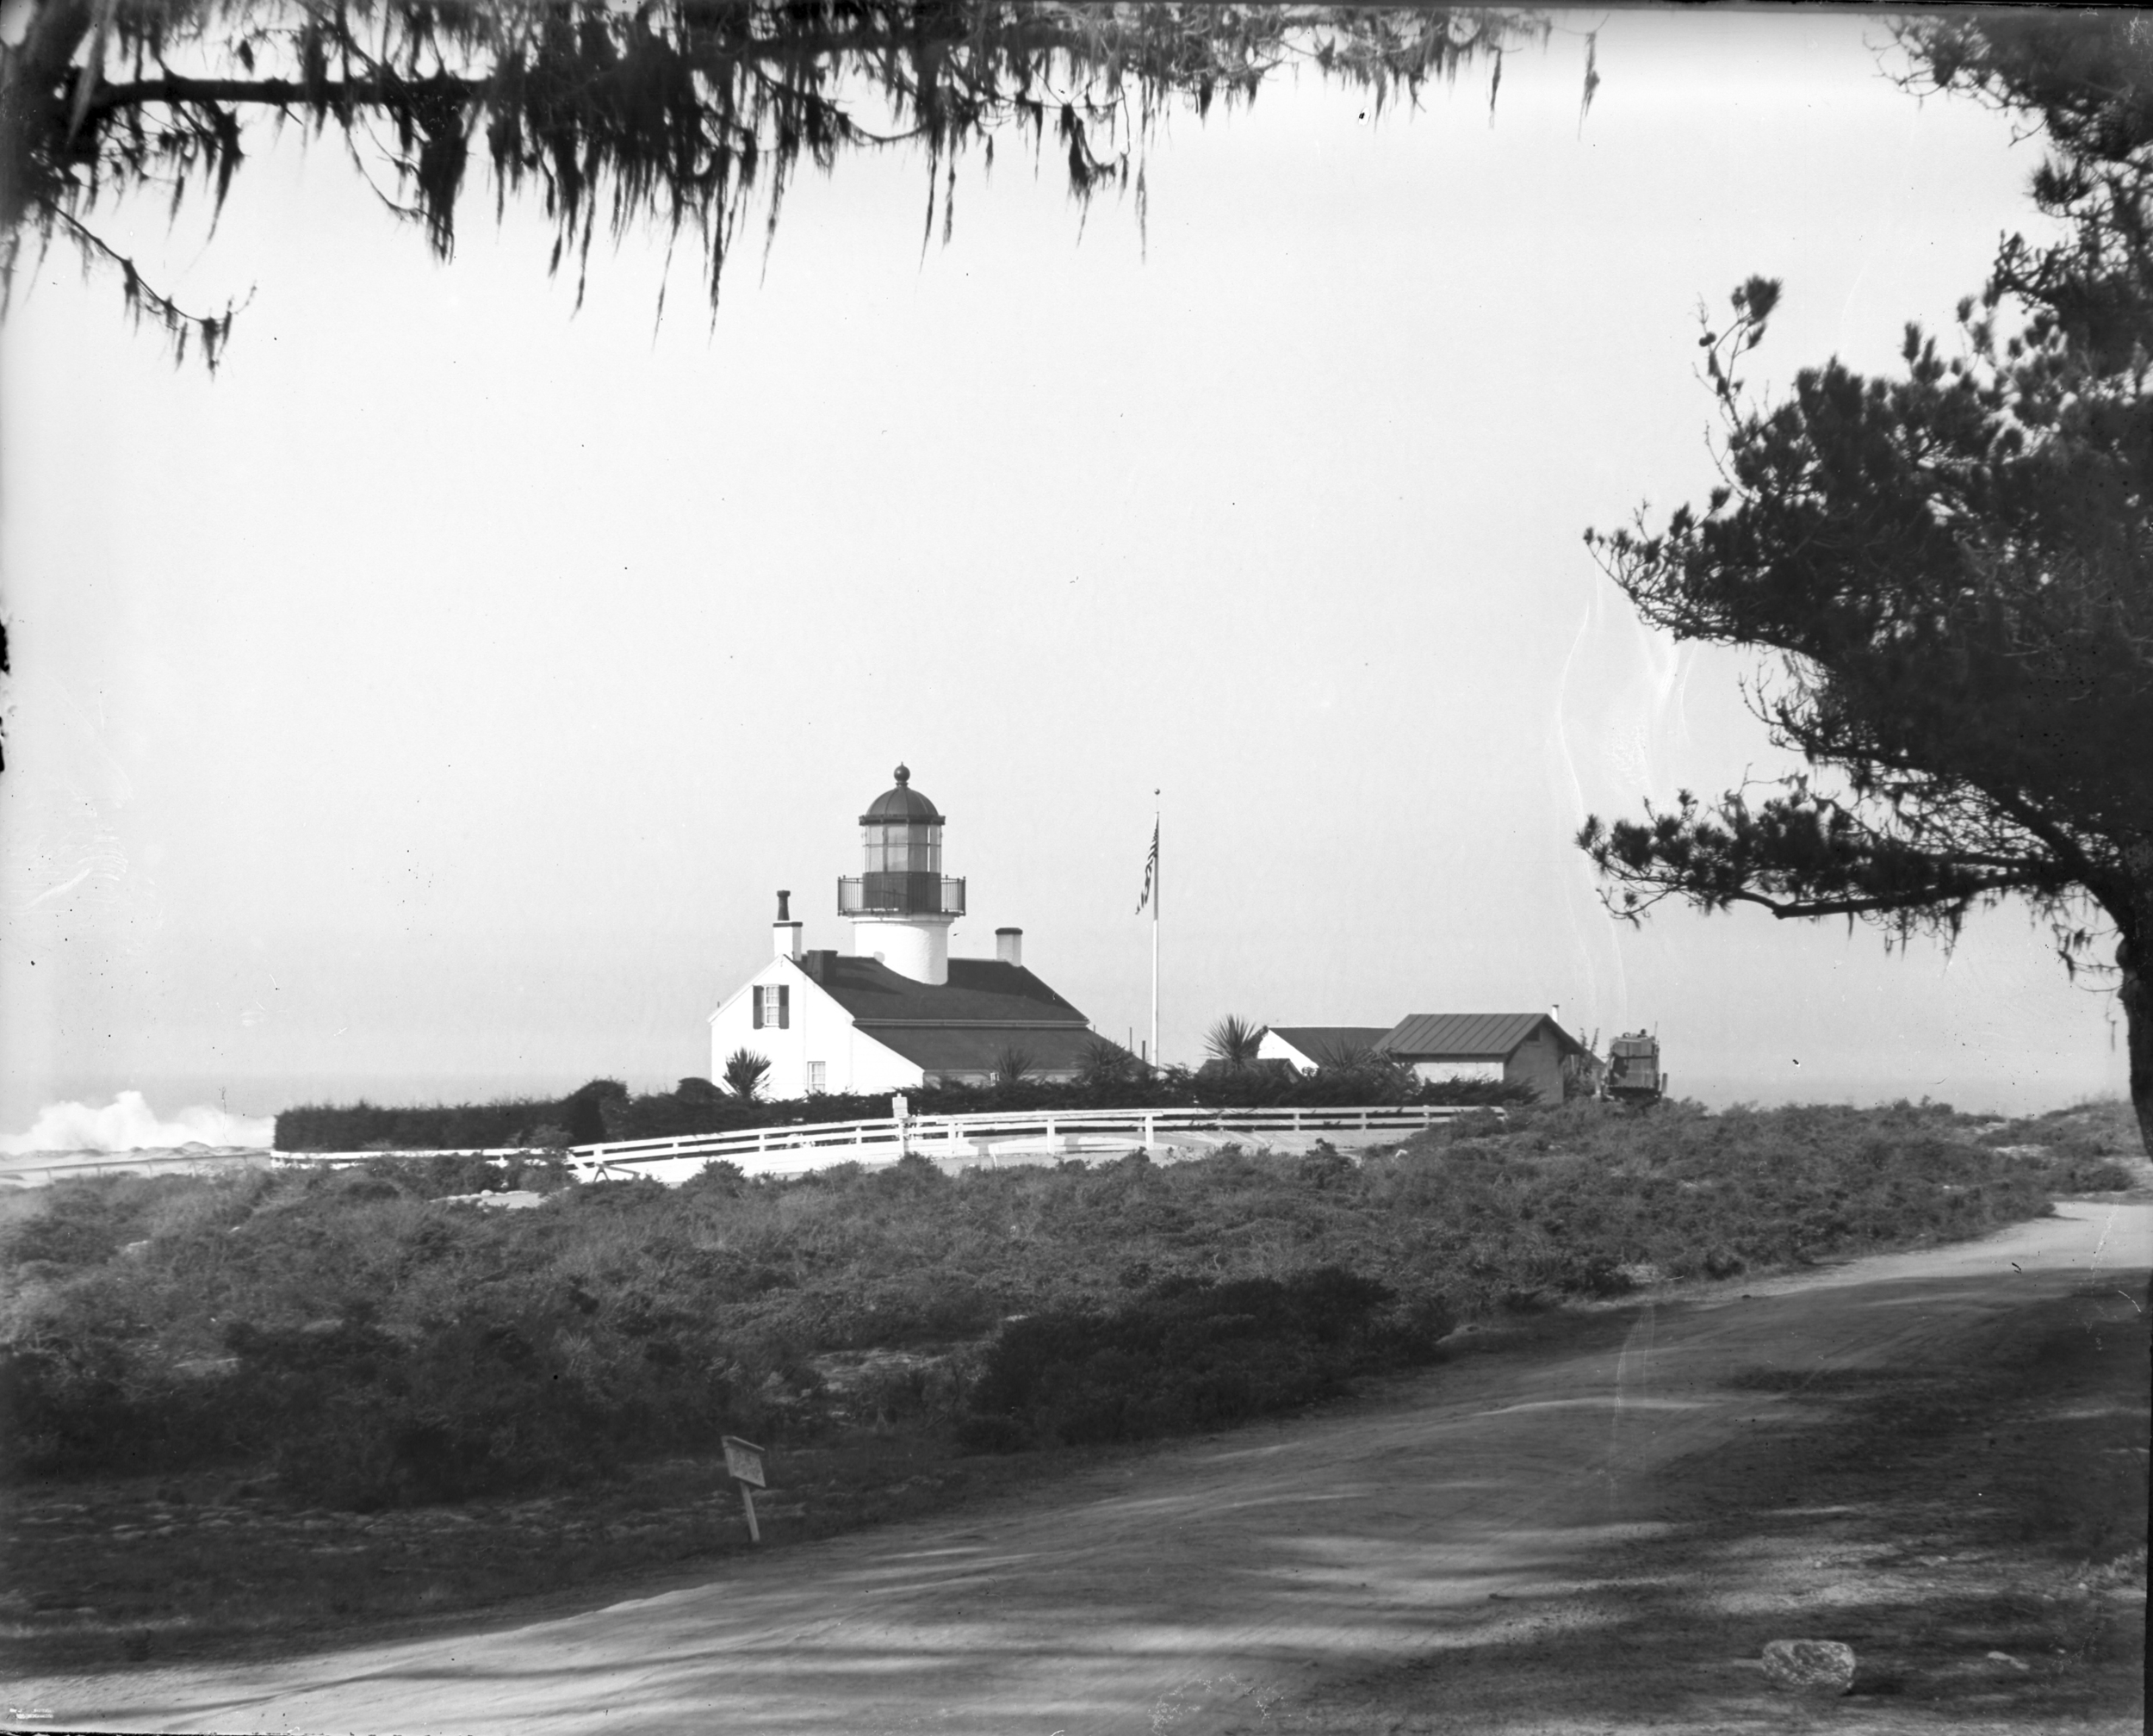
[(1517, 1048)]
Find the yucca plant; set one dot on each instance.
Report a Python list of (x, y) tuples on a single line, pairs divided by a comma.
[(1012, 1065), (744, 1074), (1233, 1041)]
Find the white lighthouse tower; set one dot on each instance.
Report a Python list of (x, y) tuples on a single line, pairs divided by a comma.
[(901, 905)]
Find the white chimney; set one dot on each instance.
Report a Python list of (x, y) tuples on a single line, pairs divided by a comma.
[(784, 933), (1009, 945)]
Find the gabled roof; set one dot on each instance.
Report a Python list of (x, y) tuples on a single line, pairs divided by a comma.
[(1469, 1036), (980, 991), (979, 1048), (1320, 1043)]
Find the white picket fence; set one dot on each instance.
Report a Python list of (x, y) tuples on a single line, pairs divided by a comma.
[(1030, 1136)]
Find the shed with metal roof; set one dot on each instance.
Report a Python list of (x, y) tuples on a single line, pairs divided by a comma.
[(1519, 1048)]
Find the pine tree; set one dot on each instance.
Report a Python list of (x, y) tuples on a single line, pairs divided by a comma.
[(1950, 566)]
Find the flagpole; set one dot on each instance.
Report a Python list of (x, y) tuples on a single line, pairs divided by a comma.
[(1155, 891)]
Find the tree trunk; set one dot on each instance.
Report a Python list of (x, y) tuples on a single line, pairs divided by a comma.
[(2136, 989)]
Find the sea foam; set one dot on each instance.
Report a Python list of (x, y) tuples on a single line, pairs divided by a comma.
[(128, 1124)]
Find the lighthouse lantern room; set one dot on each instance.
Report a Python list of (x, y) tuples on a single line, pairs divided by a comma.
[(901, 905)]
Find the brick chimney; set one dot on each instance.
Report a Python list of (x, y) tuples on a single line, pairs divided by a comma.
[(784, 933), (1009, 945)]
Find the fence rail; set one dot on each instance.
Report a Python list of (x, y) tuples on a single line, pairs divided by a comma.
[(985, 1137), (887, 1137), (980, 1137)]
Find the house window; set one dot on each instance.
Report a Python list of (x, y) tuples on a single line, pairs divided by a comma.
[(773, 1008), (817, 1077)]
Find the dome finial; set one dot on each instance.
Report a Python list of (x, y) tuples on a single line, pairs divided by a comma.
[(903, 775)]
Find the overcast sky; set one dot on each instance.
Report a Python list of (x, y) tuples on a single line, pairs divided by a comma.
[(429, 705)]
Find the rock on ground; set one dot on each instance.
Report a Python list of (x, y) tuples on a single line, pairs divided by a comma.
[(1810, 1666)]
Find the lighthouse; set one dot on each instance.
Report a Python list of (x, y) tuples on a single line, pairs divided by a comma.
[(901, 904), (898, 1013)]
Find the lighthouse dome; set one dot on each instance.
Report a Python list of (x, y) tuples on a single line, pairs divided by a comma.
[(900, 805)]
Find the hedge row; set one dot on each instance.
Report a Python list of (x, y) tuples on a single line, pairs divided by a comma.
[(604, 1109)]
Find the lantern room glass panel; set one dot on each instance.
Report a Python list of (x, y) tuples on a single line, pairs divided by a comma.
[(902, 847)]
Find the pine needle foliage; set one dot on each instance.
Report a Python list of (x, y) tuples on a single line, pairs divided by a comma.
[(1949, 569), (686, 118)]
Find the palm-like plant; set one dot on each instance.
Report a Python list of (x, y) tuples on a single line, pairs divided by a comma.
[(1106, 1063), (1233, 1041), (1011, 1065), (1343, 1054), (744, 1074)]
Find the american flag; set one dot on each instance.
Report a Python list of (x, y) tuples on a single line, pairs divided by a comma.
[(1150, 870)]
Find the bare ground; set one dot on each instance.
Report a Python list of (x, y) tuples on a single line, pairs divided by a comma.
[(1592, 1525)]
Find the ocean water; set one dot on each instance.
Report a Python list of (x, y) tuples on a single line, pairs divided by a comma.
[(36, 1168), (128, 1124)]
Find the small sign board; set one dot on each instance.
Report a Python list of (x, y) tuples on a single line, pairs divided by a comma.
[(743, 1461)]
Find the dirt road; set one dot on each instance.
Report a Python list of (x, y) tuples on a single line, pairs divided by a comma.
[(1231, 1584)]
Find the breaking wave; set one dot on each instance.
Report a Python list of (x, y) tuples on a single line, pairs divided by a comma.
[(128, 1124)]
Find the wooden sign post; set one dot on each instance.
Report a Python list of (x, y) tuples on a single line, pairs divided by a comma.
[(744, 1462)]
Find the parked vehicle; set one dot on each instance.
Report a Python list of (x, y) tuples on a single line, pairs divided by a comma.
[(1633, 1068)]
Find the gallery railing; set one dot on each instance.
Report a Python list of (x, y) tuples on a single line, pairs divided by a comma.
[(900, 894)]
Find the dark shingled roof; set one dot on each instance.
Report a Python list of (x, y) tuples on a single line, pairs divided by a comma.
[(1320, 1042), (980, 991), (977, 1048), (1469, 1036)]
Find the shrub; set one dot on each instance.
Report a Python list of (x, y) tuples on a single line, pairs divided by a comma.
[(375, 1345), (603, 1110), (583, 1111), (1187, 1355), (467, 1126)]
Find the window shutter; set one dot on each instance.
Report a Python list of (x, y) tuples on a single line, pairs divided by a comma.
[(785, 1006), (754, 1003)]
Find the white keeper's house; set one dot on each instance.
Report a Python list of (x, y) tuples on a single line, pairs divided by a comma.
[(896, 1012)]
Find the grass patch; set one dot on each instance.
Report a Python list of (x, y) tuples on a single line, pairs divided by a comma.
[(355, 1348)]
